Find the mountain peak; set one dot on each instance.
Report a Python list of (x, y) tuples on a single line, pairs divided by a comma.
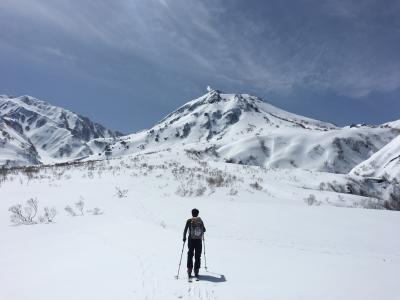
[(221, 110), (219, 119), (240, 128), (53, 133)]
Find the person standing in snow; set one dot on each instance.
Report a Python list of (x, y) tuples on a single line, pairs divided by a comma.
[(196, 230)]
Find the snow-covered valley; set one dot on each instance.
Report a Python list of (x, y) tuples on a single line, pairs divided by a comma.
[(266, 237), (295, 208)]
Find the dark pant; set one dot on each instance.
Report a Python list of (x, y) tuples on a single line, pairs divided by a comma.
[(194, 246)]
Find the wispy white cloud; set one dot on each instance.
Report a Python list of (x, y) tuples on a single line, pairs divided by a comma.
[(320, 47), (57, 53)]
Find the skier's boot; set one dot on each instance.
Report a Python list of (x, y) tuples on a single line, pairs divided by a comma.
[(189, 271), (196, 273)]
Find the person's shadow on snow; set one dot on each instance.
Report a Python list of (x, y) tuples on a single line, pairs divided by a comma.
[(211, 278)]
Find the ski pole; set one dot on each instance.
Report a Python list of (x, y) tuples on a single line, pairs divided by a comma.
[(205, 257), (179, 268)]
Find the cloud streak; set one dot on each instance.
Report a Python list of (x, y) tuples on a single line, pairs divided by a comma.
[(341, 46)]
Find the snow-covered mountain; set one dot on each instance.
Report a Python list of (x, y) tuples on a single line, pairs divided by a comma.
[(384, 163), (394, 124), (236, 128), (88, 223), (15, 149), (240, 128), (33, 132)]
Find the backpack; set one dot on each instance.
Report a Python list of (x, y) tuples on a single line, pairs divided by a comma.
[(196, 228)]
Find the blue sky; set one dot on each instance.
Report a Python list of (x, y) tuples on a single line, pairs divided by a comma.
[(127, 63)]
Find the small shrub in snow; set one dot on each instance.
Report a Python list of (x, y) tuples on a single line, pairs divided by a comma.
[(31, 171), (3, 174), (341, 198), (188, 188), (312, 200), (49, 214), (90, 174), (230, 160), (216, 180), (393, 203), (369, 203), (264, 148), (233, 192), (70, 210), (120, 193), (95, 211), (80, 206), (256, 186), (336, 187), (200, 190), (24, 215), (184, 190)]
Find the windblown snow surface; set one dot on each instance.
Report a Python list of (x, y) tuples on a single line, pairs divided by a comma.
[(271, 233)]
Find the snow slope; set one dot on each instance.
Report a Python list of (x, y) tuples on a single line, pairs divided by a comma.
[(384, 163), (394, 124), (36, 132), (240, 128), (262, 242), (14, 147)]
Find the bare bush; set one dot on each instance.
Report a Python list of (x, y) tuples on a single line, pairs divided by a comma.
[(95, 211), (70, 211), (256, 186), (393, 203), (200, 190), (80, 205), (312, 200), (3, 174), (370, 203), (215, 181), (233, 192), (49, 215), (189, 188), (120, 193), (24, 215), (31, 171), (184, 190), (163, 224)]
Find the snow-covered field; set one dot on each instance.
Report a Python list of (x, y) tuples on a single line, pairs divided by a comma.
[(266, 238)]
